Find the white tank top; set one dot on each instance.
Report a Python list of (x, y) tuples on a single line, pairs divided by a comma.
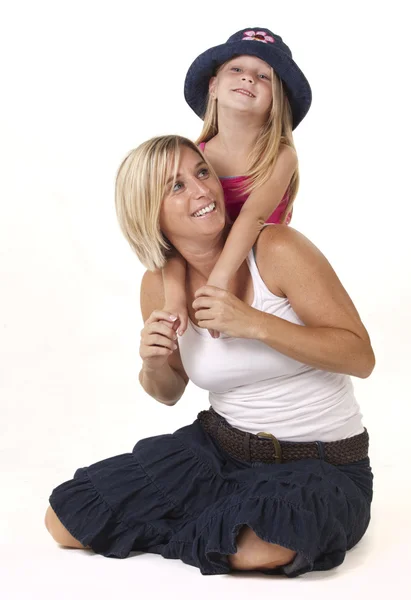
[(256, 388)]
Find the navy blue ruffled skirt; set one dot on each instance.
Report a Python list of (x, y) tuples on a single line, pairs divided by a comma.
[(181, 496)]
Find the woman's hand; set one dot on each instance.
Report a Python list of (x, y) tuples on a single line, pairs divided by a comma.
[(221, 311), (157, 341)]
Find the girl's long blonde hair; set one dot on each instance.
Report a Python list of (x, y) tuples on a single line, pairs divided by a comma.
[(276, 130)]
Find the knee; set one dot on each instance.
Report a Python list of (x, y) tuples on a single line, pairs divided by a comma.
[(58, 532), (254, 553)]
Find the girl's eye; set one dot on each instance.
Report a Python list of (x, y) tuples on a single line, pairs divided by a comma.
[(263, 76), (176, 187), (236, 69), (204, 172)]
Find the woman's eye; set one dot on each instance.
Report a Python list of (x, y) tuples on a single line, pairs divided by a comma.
[(236, 69), (204, 173), (177, 186)]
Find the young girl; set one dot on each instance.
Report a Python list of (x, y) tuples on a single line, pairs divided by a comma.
[(251, 95)]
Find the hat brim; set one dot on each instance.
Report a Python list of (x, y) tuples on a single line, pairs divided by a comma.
[(204, 67)]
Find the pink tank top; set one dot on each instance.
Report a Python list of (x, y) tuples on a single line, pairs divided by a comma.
[(235, 198)]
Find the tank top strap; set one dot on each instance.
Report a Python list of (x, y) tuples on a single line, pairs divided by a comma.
[(252, 266), (202, 146), (258, 282)]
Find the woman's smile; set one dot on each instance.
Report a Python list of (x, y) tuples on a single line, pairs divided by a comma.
[(205, 211)]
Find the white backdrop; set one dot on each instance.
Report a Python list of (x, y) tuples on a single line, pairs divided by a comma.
[(83, 83)]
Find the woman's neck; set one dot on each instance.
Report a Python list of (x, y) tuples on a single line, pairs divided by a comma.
[(201, 255), (200, 265), (199, 269)]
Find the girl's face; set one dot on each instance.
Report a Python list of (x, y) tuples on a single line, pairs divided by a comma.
[(243, 83), (193, 205)]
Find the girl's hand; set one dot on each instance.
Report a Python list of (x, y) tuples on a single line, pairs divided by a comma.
[(158, 339), (222, 311), (179, 309)]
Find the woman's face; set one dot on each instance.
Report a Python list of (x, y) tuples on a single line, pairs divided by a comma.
[(193, 205), (243, 83)]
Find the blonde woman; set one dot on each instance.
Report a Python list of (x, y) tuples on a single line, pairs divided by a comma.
[(275, 476), (251, 95)]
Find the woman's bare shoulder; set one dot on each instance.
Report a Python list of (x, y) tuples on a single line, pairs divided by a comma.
[(273, 248), (281, 242)]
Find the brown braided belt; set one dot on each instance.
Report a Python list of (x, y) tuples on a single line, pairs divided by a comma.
[(265, 448)]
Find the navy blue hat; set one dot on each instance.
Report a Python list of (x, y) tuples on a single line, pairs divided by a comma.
[(256, 42)]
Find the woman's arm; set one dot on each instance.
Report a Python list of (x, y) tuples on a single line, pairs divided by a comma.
[(333, 338), (167, 382), (254, 213)]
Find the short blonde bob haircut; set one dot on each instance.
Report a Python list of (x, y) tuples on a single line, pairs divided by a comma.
[(140, 189)]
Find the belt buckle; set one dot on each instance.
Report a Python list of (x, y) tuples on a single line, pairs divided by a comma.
[(269, 436)]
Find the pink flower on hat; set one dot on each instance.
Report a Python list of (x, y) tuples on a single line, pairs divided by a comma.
[(259, 36)]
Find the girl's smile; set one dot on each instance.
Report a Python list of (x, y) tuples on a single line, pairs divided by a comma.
[(244, 92), (246, 76)]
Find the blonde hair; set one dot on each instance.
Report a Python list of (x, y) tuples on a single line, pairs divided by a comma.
[(140, 188), (276, 130)]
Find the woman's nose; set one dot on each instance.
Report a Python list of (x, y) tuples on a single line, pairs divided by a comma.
[(199, 188)]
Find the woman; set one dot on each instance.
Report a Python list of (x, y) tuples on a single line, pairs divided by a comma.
[(275, 476)]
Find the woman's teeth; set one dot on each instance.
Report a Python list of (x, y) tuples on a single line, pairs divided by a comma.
[(205, 210)]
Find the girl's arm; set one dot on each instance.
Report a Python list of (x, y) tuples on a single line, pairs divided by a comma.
[(174, 281), (256, 210)]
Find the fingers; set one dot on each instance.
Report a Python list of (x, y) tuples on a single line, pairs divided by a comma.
[(159, 333), (203, 302), (158, 315), (204, 315), (155, 339), (147, 352), (203, 291), (209, 290), (183, 318), (160, 329), (207, 324), (158, 339)]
